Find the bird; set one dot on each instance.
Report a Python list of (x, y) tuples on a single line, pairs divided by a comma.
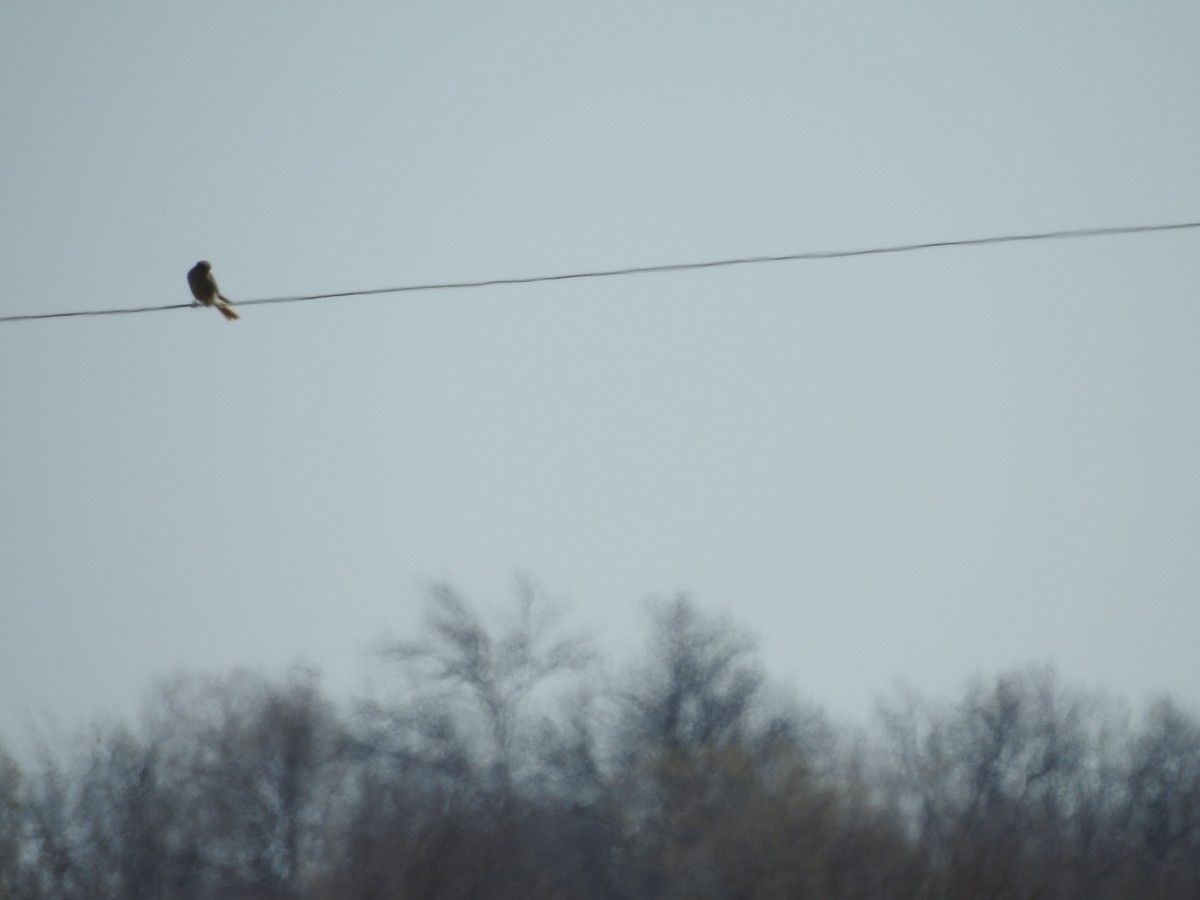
[(204, 289)]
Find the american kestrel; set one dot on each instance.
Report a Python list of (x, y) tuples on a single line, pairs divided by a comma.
[(204, 288)]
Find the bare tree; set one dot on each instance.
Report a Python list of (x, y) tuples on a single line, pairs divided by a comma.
[(719, 795), (1163, 814), (698, 685), (504, 768), (12, 876), (256, 764), (1009, 791), (480, 679), (461, 772)]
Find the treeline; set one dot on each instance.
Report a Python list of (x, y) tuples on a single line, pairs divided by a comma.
[(504, 761)]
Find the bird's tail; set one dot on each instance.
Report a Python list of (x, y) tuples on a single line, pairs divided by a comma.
[(228, 312)]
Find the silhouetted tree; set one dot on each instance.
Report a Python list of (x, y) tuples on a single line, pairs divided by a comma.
[(719, 794), (12, 875), (480, 680), (465, 775), (256, 764), (505, 766), (1007, 792), (1163, 813), (695, 688)]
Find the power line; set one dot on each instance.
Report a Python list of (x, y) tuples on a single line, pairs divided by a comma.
[(643, 270)]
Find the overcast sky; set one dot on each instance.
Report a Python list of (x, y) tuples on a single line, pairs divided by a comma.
[(917, 467)]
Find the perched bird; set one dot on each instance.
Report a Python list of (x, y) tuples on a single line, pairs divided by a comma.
[(204, 288)]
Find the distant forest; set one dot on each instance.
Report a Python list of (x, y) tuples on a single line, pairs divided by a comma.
[(503, 759)]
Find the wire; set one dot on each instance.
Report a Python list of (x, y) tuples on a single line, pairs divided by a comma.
[(642, 270), (96, 312)]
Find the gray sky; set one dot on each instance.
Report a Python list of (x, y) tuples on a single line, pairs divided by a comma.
[(912, 467)]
